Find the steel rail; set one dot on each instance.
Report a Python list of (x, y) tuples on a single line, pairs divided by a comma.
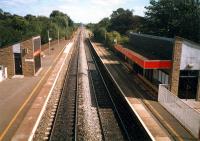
[(63, 92), (115, 107)]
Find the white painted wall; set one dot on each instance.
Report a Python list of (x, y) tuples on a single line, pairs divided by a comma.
[(189, 117), (2, 73), (190, 55)]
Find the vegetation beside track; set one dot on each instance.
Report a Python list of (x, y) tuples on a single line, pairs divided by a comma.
[(168, 18), (15, 28)]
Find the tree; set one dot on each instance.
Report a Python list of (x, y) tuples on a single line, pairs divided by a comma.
[(1, 11), (123, 21), (173, 18), (99, 34), (112, 37), (105, 22), (15, 28)]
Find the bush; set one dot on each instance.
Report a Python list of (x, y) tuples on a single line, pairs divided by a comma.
[(112, 38), (99, 34)]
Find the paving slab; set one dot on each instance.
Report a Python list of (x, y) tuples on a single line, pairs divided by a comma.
[(14, 92), (28, 126), (157, 121)]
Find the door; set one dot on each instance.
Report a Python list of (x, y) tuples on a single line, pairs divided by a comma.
[(18, 63)]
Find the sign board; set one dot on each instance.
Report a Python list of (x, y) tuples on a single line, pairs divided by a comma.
[(37, 44), (16, 48)]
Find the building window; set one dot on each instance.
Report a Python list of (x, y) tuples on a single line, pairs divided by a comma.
[(163, 77)]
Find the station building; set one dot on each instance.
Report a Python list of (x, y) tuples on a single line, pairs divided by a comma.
[(22, 58), (160, 60)]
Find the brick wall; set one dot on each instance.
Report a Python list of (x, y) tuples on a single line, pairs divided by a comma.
[(175, 71), (28, 65), (7, 60), (27, 59)]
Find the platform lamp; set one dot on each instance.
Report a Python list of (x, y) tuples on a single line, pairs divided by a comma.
[(105, 36), (58, 38), (49, 39), (115, 40)]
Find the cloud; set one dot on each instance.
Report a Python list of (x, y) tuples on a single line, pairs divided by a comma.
[(139, 10), (107, 2), (79, 10), (16, 2)]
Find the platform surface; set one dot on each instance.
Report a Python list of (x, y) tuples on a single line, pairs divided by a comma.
[(14, 93), (29, 125), (193, 104), (159, 122)]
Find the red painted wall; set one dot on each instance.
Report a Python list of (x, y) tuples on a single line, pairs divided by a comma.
[(142, 61)]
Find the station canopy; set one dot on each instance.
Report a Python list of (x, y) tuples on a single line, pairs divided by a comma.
[(149, 52)]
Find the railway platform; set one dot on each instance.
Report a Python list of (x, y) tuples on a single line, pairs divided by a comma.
[(29, 125), (17, 94), (157, 121)]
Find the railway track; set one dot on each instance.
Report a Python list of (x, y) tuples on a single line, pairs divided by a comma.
[(64, 125), (128, 121), (110, 128), (116, 120)]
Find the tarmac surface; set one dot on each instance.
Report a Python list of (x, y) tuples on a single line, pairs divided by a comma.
[(14, 93), (158, 121)]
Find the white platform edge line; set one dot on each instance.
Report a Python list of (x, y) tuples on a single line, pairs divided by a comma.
[(47, 99), (144, 125)]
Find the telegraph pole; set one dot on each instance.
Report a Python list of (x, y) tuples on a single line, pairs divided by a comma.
[(58, 38), (105, 36), (48, 40)]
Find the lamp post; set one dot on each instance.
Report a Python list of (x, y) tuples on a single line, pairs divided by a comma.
[(58, 38), (48, 40), (105, 36)]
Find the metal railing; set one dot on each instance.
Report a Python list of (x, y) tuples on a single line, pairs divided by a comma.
[(189, 117)]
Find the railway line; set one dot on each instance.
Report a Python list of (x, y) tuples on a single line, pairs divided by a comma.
[(115, 118), (146, 96), (110, 128), (128, 121), (64, 125)]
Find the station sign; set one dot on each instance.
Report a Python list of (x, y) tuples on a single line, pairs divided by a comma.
[(16, 48)]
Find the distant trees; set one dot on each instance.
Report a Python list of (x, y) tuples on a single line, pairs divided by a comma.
[(173, 17), (123, 20), (115, 28), (15, 28), (167, 18)]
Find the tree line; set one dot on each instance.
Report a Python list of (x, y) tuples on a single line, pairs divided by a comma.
[(168, 18), (15, 28)]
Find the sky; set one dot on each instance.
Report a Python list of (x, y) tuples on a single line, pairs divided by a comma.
[(84, 11)]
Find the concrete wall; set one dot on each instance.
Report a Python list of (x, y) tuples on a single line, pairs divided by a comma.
[(190, 55), (7, 60), (186, 115)]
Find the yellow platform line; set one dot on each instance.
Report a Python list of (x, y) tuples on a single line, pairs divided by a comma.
[(27, 100)]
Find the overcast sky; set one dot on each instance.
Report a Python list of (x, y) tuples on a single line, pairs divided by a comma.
[(84, 11)]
